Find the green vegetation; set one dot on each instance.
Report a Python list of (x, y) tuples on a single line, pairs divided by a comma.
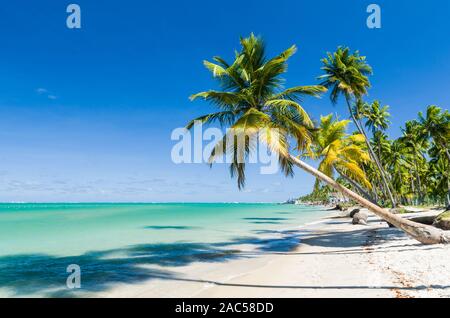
[(366, 166), (347, 74), (340, 153), (443, 221), (318, 196), (444, 216), (416, 164)]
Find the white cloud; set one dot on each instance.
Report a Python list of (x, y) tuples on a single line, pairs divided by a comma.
[(41, 91), (44, 91)]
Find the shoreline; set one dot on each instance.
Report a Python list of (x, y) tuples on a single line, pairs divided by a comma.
[(332, 259)]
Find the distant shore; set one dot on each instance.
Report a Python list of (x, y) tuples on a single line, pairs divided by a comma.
[(332, 259)]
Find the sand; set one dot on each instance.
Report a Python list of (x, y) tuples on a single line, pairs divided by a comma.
[(332, 259)]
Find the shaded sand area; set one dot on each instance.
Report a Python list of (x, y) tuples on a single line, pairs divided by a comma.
[(330, 258)]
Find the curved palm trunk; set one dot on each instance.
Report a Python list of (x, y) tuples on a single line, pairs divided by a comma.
[(423, 233), (372, 155)]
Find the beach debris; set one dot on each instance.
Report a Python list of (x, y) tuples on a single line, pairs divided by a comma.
[(443, 221), (360, 218), (352, 214), (428, 219)]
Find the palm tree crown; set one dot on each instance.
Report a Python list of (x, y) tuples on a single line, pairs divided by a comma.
[(436, 124), (377, 117), (252, 97), (345, 73), (339, 151)]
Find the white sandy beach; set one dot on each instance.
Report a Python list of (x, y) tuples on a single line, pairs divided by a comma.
[(333, 259)]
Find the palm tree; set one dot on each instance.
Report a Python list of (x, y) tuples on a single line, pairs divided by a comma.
[(377, 121), (252, 99), (436, 126), (382, 144), (347, 75), (341, 153), (416, 147), (377, 117), (398, 163), (438, 175)]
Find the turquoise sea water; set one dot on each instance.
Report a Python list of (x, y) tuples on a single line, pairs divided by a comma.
[(111, 242)]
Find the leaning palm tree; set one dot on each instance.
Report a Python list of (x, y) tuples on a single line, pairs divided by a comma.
[(340, 153), (346, 74), (252, 99)]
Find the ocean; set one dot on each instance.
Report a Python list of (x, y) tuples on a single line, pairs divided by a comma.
[(113, 242)]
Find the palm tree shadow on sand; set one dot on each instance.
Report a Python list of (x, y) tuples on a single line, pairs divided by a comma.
[(45, 275), (358, 241)]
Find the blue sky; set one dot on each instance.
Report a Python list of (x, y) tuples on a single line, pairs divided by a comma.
[(86, 115)]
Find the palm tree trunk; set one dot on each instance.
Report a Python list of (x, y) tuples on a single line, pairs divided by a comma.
[(372, 154), (413, 191), (374, 187), (379, 149), (448, 177), (385, 188), (423, 233), (357, 186), (419, 183), (396, 193), (375, 194)]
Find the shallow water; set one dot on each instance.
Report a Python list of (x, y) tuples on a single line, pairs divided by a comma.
[(110, 242)]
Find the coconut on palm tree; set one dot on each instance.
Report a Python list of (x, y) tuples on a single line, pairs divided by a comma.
[(252, 98)]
